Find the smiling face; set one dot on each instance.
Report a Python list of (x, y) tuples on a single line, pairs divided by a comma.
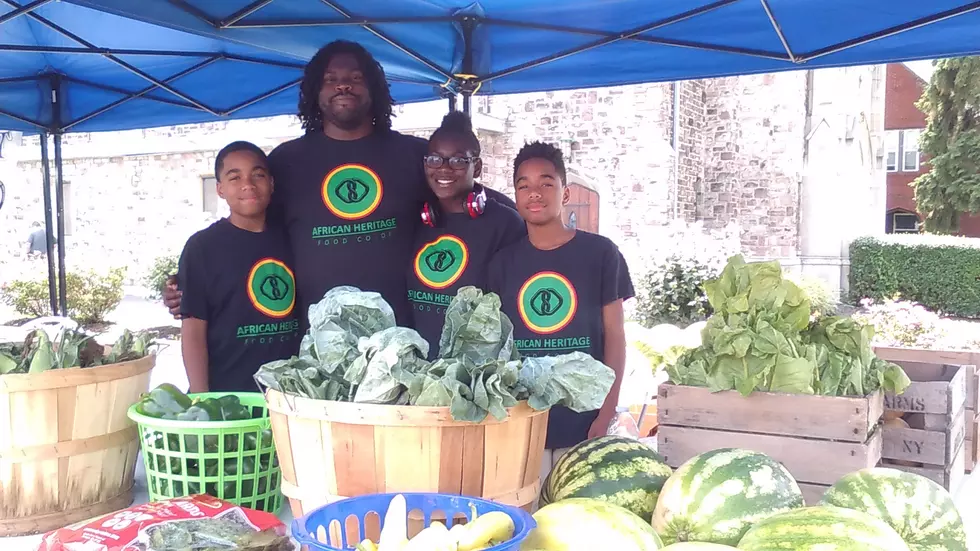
[(344, 99), (451, 169), (540, 193), (245, 183)]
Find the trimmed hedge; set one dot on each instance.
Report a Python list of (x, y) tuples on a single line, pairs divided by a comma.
[(939, 272)]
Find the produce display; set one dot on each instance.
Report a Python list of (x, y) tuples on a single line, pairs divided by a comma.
[(70, 348), (619, 470), (761, 338), (715, 497), (354, 352), (481, 532), (583, 524), (196, 523), (822, 528), (168, 402), (697, 546), (920, 510)]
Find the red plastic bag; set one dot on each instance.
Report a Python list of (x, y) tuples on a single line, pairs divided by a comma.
[(135, 528)]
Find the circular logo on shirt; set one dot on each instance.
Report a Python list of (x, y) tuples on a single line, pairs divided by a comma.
[(352, 191), (547, 302), (272, 288), (440, 263)]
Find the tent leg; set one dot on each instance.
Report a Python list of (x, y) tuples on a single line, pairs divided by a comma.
[(46, 177), (466, 103), (452, 102), (59, 193)]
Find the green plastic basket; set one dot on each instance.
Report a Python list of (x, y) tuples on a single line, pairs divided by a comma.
[(184, 457)]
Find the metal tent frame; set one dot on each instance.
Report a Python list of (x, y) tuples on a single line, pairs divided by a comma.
[(461, 80)]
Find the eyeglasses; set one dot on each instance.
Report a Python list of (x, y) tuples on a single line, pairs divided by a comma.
[(458, 163)]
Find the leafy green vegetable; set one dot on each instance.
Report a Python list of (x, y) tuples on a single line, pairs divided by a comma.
[(760, 339), (475, 328), (354, 352), (575, 380)]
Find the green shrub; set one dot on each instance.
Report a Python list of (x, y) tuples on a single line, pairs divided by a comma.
[(673, 292), (91, 296), (163, 267), (823, 300), (940, 273)]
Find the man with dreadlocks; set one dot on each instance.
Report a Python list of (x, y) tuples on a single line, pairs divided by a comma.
[(349, 191)]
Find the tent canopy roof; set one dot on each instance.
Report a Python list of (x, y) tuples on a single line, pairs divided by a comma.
[(122, 64)]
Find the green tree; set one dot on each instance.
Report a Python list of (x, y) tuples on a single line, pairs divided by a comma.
[(951, 142)]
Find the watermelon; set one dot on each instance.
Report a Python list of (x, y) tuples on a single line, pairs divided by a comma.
[(583, 524), (716, 496), (920, 510), (698, 546), (619, 470), (822, 528)]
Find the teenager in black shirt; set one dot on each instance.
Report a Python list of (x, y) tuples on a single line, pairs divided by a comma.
[(239, 293), (563, 289), (461, 230)]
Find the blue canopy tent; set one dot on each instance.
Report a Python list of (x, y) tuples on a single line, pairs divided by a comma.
[(91, 65)]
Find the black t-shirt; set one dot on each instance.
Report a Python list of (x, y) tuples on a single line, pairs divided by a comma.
[(555, 299), (350, 209), (242, 284), (453, 255)]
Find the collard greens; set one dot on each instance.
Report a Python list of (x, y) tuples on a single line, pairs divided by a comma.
[(353, 351), (760, 338)]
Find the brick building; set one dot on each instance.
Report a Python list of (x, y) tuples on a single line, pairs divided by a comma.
[(768, 155), (904, 123)]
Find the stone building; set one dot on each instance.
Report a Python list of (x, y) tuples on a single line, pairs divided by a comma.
[(790, 159)]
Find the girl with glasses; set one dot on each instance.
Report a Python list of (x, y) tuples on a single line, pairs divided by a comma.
[(461, 228)]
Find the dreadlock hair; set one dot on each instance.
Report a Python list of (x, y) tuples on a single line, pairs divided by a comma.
[(374, 74), (458, 123), (234, 147), (541, 150)]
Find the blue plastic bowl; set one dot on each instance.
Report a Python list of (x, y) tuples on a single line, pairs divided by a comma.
[(305, 528)]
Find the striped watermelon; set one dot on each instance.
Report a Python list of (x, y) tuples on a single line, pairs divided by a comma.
[(822, 528), (619, 470), (582, 524), (920, 510), (716, 496)]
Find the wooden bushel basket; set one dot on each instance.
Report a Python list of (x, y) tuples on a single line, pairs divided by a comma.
[(333, 450), (67, 449)]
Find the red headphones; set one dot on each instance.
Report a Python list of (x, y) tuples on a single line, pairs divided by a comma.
[(474, 205)]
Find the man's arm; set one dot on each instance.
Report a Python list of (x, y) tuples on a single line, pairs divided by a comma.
[(194, 349)]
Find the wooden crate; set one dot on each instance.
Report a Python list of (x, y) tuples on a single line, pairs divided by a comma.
[(934, 408), (968, 358), (818, 438), (972, 441)]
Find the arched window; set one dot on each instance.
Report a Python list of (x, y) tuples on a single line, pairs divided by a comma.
[(902, 221)]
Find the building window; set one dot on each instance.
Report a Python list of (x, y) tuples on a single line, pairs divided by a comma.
[(902, 221), (910, 150), (902, 150), (891, 150), (209, 189)]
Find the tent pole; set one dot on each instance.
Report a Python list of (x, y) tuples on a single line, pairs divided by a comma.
[(59, 191), (452, 102), (469, 24), (59, 194), (46, 178)]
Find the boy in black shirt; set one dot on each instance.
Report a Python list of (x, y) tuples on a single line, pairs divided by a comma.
[(239, 293), (461, 230), (563, 289)]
